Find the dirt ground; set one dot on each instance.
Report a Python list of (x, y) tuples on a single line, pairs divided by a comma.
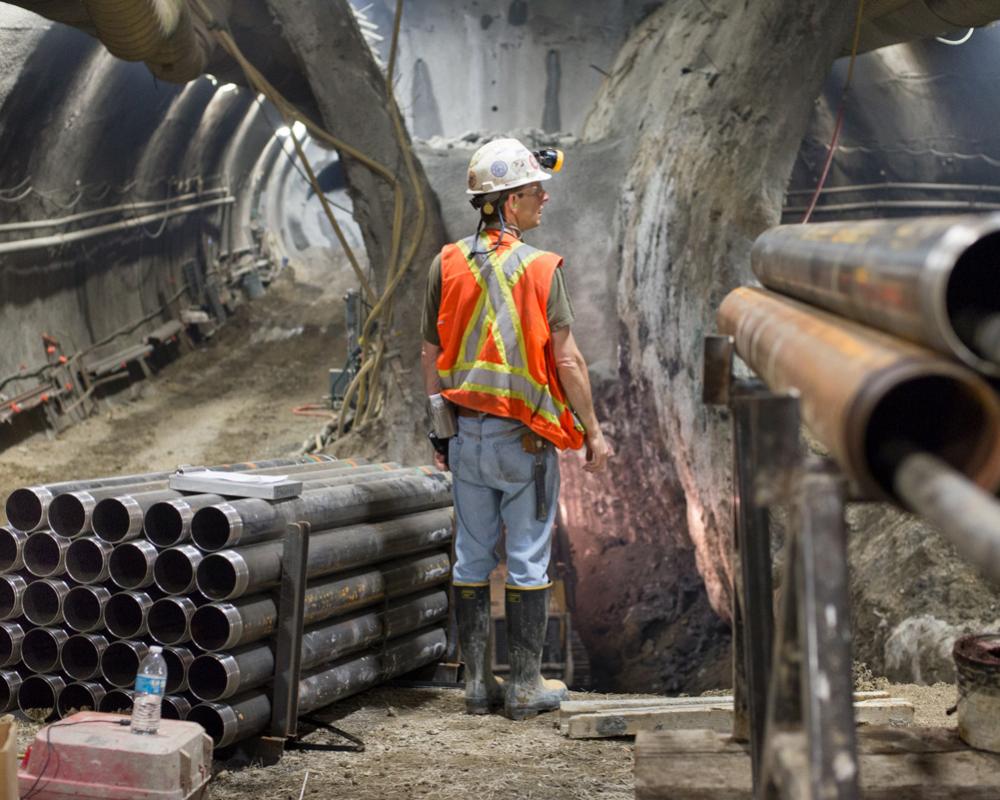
[(232, 399)]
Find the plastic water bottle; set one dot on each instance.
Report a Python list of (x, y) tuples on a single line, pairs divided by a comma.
[(150, 683)]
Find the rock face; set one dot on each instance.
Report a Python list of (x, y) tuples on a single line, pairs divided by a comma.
[(716, 112)]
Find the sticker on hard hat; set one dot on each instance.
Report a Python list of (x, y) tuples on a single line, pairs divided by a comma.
[(533, 161), (498, 169), (472, 179)]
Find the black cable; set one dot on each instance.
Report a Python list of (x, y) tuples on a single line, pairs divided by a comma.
[(34, 788)]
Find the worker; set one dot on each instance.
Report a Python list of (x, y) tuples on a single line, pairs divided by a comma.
[(498, 347)]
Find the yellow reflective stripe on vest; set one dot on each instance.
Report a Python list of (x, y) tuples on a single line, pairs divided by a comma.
[(515, 387), (485, 318)]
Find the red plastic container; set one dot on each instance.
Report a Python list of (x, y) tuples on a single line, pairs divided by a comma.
[(97, 758)]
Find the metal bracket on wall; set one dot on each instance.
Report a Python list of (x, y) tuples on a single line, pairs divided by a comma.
[(793, 690)]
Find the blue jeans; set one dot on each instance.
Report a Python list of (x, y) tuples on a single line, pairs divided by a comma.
[(493, 485)]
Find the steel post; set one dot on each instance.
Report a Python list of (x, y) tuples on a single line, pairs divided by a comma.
[(288, 647)]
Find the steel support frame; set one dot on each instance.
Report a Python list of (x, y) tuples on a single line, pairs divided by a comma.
[(792, 681)]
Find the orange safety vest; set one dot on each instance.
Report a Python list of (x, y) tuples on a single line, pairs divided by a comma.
[(496, 346)]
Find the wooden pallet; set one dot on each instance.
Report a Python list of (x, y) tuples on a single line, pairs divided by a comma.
[(895, 764)]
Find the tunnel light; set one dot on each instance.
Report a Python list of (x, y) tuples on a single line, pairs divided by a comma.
[(282, 132), (299, 129), (212, 78), (261, 98), (227, 88)]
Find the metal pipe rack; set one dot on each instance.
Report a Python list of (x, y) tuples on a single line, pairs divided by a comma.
[(793, 687)]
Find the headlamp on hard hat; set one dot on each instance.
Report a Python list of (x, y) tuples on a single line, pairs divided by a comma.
[(550, 158)]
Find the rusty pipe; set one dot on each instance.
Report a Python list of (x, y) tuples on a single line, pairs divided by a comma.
[(928, 279), (863, 393)]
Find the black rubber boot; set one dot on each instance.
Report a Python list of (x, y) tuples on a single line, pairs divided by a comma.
[(528, 693), (483, 692)]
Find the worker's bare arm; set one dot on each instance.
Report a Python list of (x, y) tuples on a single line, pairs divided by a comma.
[(575, 379), (428, 361)]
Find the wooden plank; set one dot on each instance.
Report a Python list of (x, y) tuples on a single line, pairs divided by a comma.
[(709, 716), (895, 764), (570, 708)]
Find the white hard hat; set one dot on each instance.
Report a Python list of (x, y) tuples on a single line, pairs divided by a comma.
[(501, 165)]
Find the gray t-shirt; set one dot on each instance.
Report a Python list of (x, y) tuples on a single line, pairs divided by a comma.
[(558, 310)]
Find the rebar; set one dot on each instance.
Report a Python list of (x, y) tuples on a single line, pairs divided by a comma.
[(229, 574)]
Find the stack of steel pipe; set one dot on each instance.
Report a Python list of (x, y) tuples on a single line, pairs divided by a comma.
[(93, 572), (889, 330)]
